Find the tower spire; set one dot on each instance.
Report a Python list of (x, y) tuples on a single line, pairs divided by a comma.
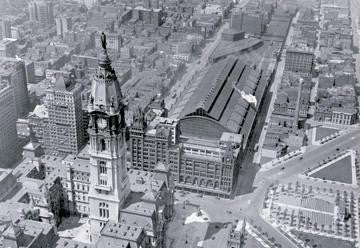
[(109, 185), (105, 88)]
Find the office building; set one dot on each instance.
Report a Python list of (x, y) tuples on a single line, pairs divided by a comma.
[(197, 165), (29, 71), (90, 3), (114, 41), (63, 25), (17, 33), (344, 115), (204, 142), (252, 23), (8, 47), (13, 71), (41, 11), (63, 101), (7, 182), (299, 60), (38, 122), (9, 148), (32, 11), (5, 29), (153, 16)]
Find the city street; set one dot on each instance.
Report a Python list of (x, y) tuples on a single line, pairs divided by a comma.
[(356, 35), (274, 88), (191, 70), (128, 123), (248, 205), (196, 66), (252, 184)]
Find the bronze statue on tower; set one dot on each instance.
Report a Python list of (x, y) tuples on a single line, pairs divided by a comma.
[(103, 40)]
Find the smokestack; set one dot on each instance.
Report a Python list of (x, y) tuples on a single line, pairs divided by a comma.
[(297, 107)]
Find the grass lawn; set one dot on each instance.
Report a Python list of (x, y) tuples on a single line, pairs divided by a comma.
[(340, 171), (317, 241), (322, 132)]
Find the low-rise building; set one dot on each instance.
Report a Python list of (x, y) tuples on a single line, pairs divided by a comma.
[(298, 60), (237, 235), (123, 235), (29, 234), (71, 243), (344, 116), (78, 182)]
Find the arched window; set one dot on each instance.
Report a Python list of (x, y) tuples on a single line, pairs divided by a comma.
[(102, 168), (103, 210), (102, 145)]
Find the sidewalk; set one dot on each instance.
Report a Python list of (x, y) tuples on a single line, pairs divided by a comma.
[(278, 161), (273, 89)]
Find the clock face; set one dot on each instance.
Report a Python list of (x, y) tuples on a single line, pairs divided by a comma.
[(102, 123)]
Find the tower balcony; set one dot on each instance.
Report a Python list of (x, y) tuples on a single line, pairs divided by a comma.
[(102, 187)]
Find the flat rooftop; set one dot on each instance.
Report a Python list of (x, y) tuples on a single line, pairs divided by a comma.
[(6, 41), (7, 65), (230, 47), (121, 231), (3, 85), (69, 243)]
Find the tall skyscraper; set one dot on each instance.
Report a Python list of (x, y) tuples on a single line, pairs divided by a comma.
[(63, 25), (114, 41), (5, 27), (32, 11), (108, 174), (90, 3), (63, 101), (13, 71), (41, 11), (9, 148), (8, 47)]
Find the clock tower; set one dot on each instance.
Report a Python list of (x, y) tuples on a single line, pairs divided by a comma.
[(109, 183)]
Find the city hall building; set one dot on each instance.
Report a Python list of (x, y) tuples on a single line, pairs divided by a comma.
[(204, 142)]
